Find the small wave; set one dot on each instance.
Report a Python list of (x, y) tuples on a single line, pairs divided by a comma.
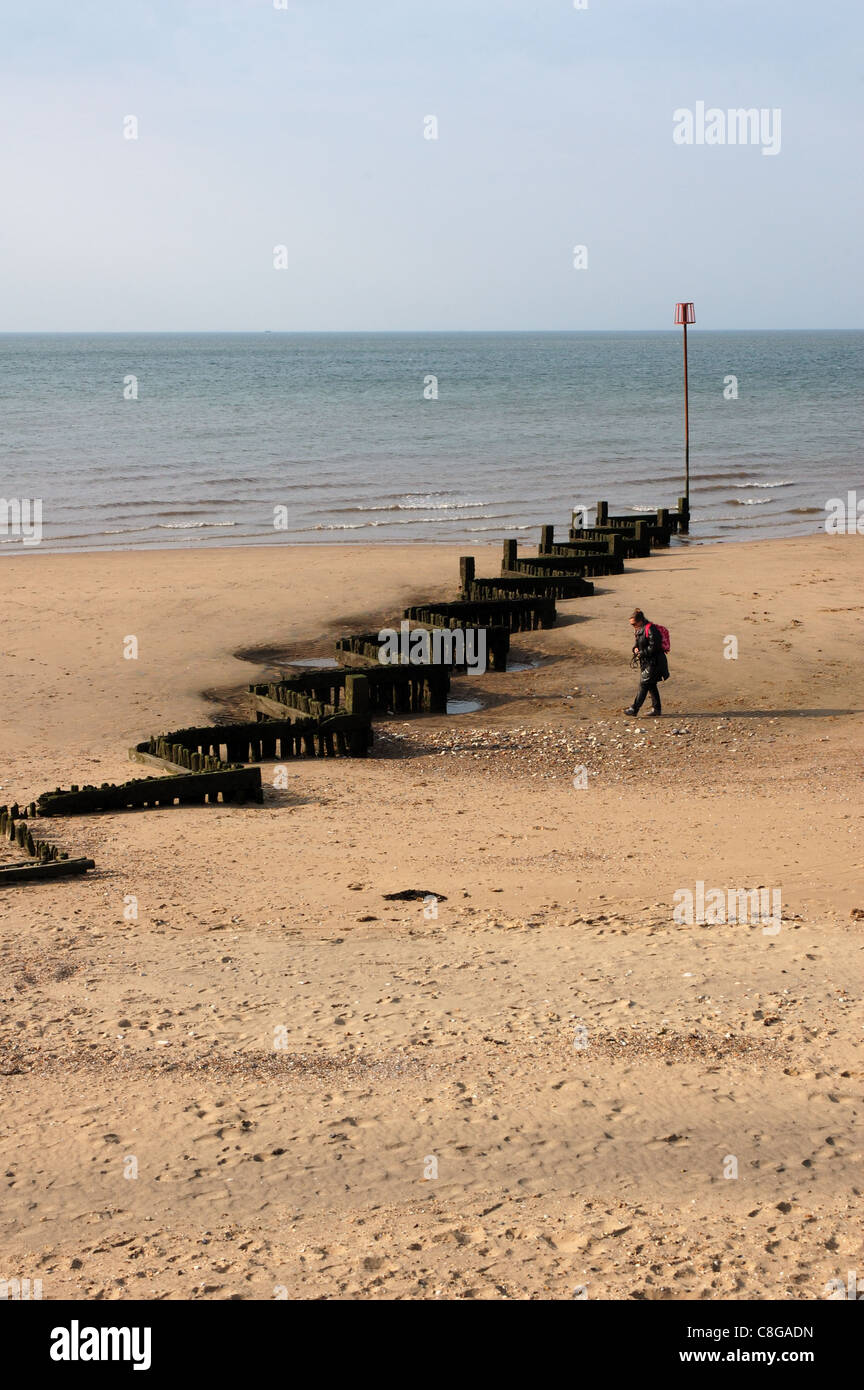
[(702, 489), (807, 511), (418, 507), (191, 525), (502, 523), (401, 496), (749, 501), (786, 483), (727, 476), (394, 521), (507, 526)]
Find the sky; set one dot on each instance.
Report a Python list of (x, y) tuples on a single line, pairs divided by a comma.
[(302, 124)]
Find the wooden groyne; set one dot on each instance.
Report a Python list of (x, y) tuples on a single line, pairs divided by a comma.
[(663, 522), (524, 586), (46, 860), (49, 868), (359, 649), (658, 537), (323, 714), (365, 649), (195, 750), (478, 590), (382, 688), (341, 701), (418, 688), (576, 563), (624, 544), (328, 713), (231, 786), (516, 615)]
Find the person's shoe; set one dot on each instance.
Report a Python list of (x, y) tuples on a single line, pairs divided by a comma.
[(654, 714), (630, 710)]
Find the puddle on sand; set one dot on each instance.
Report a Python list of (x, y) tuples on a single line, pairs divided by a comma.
[(522, 665), (464, 706), (319, 662)]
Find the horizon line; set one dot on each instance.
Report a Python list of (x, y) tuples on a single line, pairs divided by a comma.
[(372, 332)]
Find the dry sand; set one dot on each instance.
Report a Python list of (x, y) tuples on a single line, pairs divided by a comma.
[(408, 1040)]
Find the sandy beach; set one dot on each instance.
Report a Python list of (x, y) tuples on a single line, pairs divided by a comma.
[(277, 1079)]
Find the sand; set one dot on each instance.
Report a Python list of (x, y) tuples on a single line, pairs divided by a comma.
[(248, 1091)]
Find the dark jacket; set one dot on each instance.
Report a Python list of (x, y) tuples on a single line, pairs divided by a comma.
[(653, 665)]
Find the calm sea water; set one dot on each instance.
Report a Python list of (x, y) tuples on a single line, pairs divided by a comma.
[(335, 429)]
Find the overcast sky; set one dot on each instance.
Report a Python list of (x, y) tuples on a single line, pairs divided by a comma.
[(303, 127)]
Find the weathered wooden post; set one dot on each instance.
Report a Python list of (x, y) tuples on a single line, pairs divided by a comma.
[(357, 703), (602, 514), (509, 560), (684, 515), (356, 695), (466, 572), (547, 539)]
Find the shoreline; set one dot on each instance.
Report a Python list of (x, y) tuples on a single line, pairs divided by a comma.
[(677, 542), (734, 538)]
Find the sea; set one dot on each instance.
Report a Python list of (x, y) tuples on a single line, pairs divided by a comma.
[(166, 440)]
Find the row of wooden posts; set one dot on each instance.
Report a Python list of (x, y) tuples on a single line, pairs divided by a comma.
[(306, 727), (364, 650), (234, 784), (329, 713), (521, 599), (515, 614), (342, 691), (46, 860)]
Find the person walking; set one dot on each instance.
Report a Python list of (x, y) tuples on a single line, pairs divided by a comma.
[(650, 656)]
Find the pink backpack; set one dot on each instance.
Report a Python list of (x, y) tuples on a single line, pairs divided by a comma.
[(664, 635)]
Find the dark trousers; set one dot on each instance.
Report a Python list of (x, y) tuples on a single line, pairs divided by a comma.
[(647, 688)]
